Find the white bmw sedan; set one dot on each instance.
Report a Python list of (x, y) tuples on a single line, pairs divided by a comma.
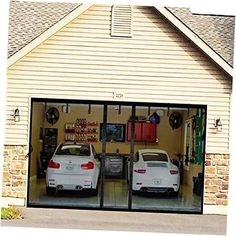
[(154, 172), (73, 167)]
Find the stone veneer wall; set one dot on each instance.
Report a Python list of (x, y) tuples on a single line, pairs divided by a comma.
[(216, 179), (14, 172)]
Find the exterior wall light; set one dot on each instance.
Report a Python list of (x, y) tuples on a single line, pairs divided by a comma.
[(16, 115), (218, 125)]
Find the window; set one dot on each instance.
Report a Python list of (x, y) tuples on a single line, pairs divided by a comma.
[(155, 157), (74, 150), (94, 152)]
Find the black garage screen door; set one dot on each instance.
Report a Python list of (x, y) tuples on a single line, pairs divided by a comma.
[(116, 155)]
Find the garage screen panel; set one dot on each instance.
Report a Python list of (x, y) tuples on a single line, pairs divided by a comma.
[(64, 164), (116, 191), (168, 156), (150, 159)]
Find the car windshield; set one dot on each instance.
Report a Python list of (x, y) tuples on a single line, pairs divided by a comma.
[(75, 150), (154, 156)]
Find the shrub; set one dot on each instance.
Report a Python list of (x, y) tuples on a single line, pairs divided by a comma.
[(10, 213)]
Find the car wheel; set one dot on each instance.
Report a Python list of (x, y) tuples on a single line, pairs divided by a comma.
[(50, 191), (94, 191), (135, 192), (174, 194)]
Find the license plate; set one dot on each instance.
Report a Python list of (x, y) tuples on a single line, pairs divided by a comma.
[(69, 167), (157, 181)]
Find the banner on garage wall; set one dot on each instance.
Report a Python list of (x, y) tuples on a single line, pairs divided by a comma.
[(198, 137)]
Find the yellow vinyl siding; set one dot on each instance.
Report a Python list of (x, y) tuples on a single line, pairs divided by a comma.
[(158, 64)]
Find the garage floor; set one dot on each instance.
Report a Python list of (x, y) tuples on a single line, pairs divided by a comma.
[(116, 196)]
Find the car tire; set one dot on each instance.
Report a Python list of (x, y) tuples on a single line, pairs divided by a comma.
[(50, 191), (175, 194), (135, 192), (94, 191)]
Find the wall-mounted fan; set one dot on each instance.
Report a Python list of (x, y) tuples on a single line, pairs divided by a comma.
[(175, 120), (52, 115)]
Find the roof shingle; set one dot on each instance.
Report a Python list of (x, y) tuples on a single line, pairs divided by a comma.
[(27, 20), (30, 19), (216, 31)]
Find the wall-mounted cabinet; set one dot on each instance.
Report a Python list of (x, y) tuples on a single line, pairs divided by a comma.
[(137, 132), (143, 132)]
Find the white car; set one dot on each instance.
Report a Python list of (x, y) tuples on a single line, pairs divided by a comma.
[(73, 167), (154, 172)]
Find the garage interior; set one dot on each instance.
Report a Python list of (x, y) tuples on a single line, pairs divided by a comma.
[(178, 129)]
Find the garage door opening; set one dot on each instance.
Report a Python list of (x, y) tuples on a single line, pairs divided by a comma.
[(117, 155)]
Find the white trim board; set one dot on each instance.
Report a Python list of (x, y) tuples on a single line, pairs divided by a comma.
[(12, 201), (214, 209), (196, 40), (48, 33)]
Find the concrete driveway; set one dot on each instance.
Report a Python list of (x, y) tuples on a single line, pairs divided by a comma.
[(120, 221)]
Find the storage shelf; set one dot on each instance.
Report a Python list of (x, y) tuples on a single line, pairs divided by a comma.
[(81, 131)]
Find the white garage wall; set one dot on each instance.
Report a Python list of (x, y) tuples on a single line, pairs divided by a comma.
[(82, 61)]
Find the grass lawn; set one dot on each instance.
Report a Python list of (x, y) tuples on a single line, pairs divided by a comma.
[(10, 213)]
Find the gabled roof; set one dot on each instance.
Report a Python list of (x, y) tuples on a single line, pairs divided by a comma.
[(27, 20), (32, 20), (45, 33), (198, 40), (216, 31)]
